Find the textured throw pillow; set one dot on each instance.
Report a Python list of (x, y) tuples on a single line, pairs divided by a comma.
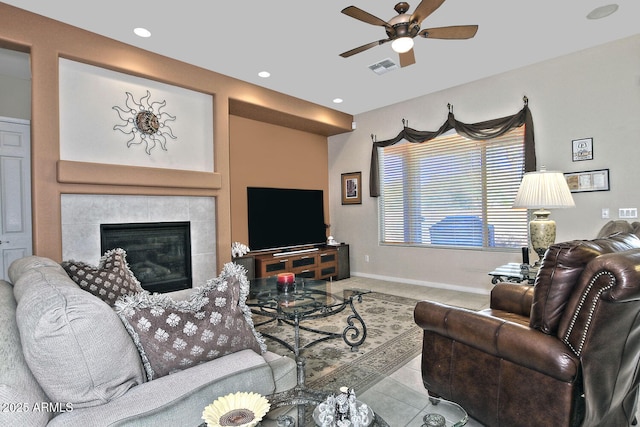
[(75, 344), (110, 280), (173, 335)]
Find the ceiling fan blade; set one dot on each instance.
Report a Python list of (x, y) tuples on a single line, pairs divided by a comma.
[(363, 48), (363, 16), (407, 58), (424, 9), (453, 32)]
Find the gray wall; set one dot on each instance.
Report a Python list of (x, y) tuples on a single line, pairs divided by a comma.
[(593, 93)]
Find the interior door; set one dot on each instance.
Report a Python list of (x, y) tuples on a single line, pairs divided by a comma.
[(15, 192)]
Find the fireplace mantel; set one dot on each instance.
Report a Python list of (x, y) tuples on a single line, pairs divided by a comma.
[(70, 172)]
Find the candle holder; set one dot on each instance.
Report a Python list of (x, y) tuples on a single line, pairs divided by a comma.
[(286, 282)]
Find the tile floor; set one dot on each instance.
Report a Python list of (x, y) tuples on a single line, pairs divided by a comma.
[(401, 399)]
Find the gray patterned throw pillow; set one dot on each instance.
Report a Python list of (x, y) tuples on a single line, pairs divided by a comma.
[(174, 335), (110, 280)]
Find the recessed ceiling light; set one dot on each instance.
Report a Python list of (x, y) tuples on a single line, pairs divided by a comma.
[(142, 32), (264, 74), (602, 11), (338, 100)]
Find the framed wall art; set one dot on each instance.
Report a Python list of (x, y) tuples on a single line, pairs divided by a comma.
[(352, 188), (596, 180), (582, 149)]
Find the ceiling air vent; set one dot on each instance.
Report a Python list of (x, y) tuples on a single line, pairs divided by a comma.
[(383, 66)]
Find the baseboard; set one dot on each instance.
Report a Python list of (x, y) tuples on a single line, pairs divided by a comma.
[(423, 283)]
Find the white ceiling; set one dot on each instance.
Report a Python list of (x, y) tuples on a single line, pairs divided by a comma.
[(299, 42)]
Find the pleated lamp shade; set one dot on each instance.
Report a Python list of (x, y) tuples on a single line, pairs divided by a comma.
[(541, 191)]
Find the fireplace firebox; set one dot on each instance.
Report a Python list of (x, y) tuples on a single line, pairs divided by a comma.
[(158, 253)]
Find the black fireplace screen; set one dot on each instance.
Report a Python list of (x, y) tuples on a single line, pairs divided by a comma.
[(159, 253)]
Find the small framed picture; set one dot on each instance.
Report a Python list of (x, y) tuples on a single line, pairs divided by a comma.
[(352, 188), (597, 180), (582, 149)]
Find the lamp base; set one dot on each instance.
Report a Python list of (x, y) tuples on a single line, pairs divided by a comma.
[(542, 232)]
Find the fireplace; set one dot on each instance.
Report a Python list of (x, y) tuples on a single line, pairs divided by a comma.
[(158, 253)]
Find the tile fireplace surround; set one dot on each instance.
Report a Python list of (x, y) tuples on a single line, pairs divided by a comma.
[(82, 215)]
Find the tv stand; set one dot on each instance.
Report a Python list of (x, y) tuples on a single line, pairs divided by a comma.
[(312, 263)]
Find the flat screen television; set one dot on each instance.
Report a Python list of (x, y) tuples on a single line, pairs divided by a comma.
[(282, 218)]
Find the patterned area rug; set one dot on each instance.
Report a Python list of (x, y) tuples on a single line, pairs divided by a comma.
[(393, 339)]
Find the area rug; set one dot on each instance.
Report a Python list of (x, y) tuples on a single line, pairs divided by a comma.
[(393, 339)]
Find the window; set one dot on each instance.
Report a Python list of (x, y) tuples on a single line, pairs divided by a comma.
[(453, 191)]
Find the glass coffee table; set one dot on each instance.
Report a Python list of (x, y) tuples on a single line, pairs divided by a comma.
[(312, 299), (402, 399), (306, 300), (294, 408)]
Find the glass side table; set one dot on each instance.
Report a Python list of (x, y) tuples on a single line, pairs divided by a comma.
[(515, 273)]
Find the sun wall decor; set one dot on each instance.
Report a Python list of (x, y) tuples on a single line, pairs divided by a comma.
[(145, 121)]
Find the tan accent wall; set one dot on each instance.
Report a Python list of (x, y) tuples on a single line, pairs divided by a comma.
[(267, 155), (47, 40)]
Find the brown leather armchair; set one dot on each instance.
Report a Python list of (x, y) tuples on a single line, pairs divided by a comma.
[(563, 352)]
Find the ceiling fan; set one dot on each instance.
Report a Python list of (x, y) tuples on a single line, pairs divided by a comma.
[(402, 29)]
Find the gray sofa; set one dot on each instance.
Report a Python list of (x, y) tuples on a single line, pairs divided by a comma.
[(66, 359)]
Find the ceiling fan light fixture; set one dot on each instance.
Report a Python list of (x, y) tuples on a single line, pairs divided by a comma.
[(402, 29), (402, 44)]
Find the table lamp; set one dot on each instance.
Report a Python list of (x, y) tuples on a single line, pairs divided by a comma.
[(541, 191)]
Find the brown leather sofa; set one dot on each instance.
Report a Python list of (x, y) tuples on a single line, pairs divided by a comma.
[(563, 352)]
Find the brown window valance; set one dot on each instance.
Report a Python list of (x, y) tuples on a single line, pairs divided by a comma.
[(481, 131)]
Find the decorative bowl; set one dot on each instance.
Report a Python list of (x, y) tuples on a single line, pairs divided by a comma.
[(239, 409)]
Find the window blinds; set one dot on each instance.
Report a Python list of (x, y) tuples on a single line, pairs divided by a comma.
[(453, 191)]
